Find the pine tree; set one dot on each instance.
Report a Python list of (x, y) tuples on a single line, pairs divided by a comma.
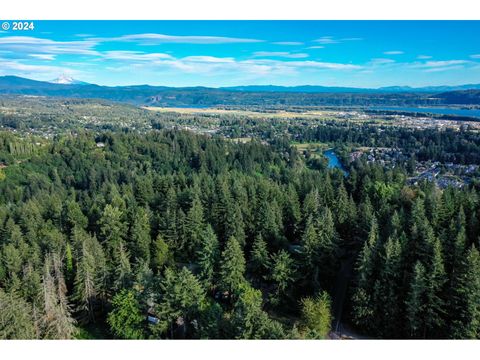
[(56, 320), (140, 235), (341, 205), (235, 226), (86, 283), (259, 256), (311, 206), (182, 298), (387, 296), (292, 213), (436, 280), (316, 316), (74, 216), (466, 298), (194, 225), (207, 256), (415, 303), (168, 219), (112, 229), (16, 318), (249, 321), (232, 266), (69, 274), (327, 247), (282, 273), (221, 208), (161, 253), (125, 319), (122, 271), (363, 305)]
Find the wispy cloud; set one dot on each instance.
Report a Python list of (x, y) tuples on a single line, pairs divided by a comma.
[(475, 56), (332, 40), (423, 57), (381, 61), (288, 43), (29, 45), (43, 56), (8, 67), (181, 39), (444, 68), (443, 63), (283, 54), (135, 56), (228, 65), (393, 52), (326, 40), (316, 47)]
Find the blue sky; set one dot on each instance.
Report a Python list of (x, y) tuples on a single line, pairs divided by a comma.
[(229, 53)]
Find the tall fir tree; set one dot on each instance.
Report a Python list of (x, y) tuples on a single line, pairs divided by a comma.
[(232, 266)]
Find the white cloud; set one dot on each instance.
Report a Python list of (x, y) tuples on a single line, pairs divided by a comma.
[(210, 65), (332, 40), (46, 72), (442, 65), (316, 47), (28, 45), (283, 54), (381, 61), (475, 56), (434, 64), (326, 40), (393, 52), (423, 57), (188, 39), (288, 43), (135, 56), (444, 68), (325, 65), (43, 56)]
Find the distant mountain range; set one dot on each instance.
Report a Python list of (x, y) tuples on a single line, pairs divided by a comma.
[(330, 89), (245, 95)]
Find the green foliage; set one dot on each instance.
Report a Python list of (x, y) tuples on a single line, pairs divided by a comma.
[(249, 320), (283, 272), (140, 235), (161, 253), (259, 257), (466, 298), (232, 266), (316, 316), (16, 318), (125, 319), (208, 256), (181, 300), (77, 223)]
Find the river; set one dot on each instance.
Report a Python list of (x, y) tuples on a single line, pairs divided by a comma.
[(334, 161), (432, 110)]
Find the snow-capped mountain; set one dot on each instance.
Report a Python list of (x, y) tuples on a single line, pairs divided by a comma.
[(67, 80)]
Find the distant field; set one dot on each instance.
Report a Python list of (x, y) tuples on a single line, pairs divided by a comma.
[(311, 146), (256, 114)]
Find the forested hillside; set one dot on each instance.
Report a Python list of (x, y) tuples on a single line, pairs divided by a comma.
[(258, 96), (169, 234)]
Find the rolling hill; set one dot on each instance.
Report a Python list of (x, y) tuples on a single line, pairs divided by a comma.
[(248, 96)]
